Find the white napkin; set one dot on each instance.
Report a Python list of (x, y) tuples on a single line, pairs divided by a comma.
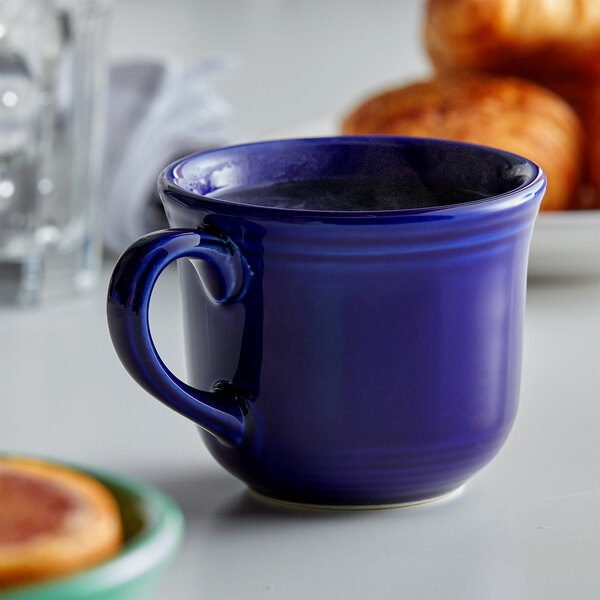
[(158, 111)]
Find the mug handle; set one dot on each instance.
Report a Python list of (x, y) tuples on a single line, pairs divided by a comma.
[(221, 411)]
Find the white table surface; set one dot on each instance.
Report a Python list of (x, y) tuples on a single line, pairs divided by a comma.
[(526, 527)]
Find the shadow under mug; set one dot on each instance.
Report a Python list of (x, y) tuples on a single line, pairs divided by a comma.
[(341, 358)]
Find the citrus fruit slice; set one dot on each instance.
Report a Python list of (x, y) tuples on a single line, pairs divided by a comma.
[(54, 520)]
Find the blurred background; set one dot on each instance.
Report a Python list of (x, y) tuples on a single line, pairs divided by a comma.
[(294, 61)]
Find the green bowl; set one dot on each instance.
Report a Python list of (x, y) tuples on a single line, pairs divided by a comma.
[(153, 526)]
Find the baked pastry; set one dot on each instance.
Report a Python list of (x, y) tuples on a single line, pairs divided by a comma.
[(54, 520), (593, 152), (537, 39), (553, 43), (507, 113), (584, 95)]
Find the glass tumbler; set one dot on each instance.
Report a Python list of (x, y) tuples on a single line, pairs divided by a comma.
[(52, 103)]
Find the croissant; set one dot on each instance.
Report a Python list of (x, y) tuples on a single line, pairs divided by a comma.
[(536, 39), (555, 43), (584, 96), (593, 152), (507, 113)]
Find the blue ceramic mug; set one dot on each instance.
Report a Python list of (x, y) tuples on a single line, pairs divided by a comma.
[(341, 357)]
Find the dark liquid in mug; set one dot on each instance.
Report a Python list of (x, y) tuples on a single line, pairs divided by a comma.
[(347, 195)]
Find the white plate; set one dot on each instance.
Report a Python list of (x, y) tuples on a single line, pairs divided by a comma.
[(564, 244)]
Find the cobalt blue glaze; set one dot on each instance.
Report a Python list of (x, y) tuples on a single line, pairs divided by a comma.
[(127, 309), (346, 358)]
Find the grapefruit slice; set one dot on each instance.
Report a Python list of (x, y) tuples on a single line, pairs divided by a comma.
[(53, 520)]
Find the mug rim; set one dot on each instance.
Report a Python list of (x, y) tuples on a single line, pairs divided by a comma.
[(522, 194)]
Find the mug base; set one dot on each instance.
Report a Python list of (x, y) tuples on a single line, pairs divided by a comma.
[(349, 507)]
